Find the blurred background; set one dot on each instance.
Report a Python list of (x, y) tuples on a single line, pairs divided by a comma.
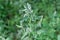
[(29, 19)]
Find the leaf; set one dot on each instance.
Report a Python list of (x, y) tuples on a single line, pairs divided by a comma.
[(58, 37)]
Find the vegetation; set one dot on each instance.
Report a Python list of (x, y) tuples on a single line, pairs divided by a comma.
[(29, 19)]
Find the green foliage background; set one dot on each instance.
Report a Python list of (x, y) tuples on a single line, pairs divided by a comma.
[(29, 19)]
